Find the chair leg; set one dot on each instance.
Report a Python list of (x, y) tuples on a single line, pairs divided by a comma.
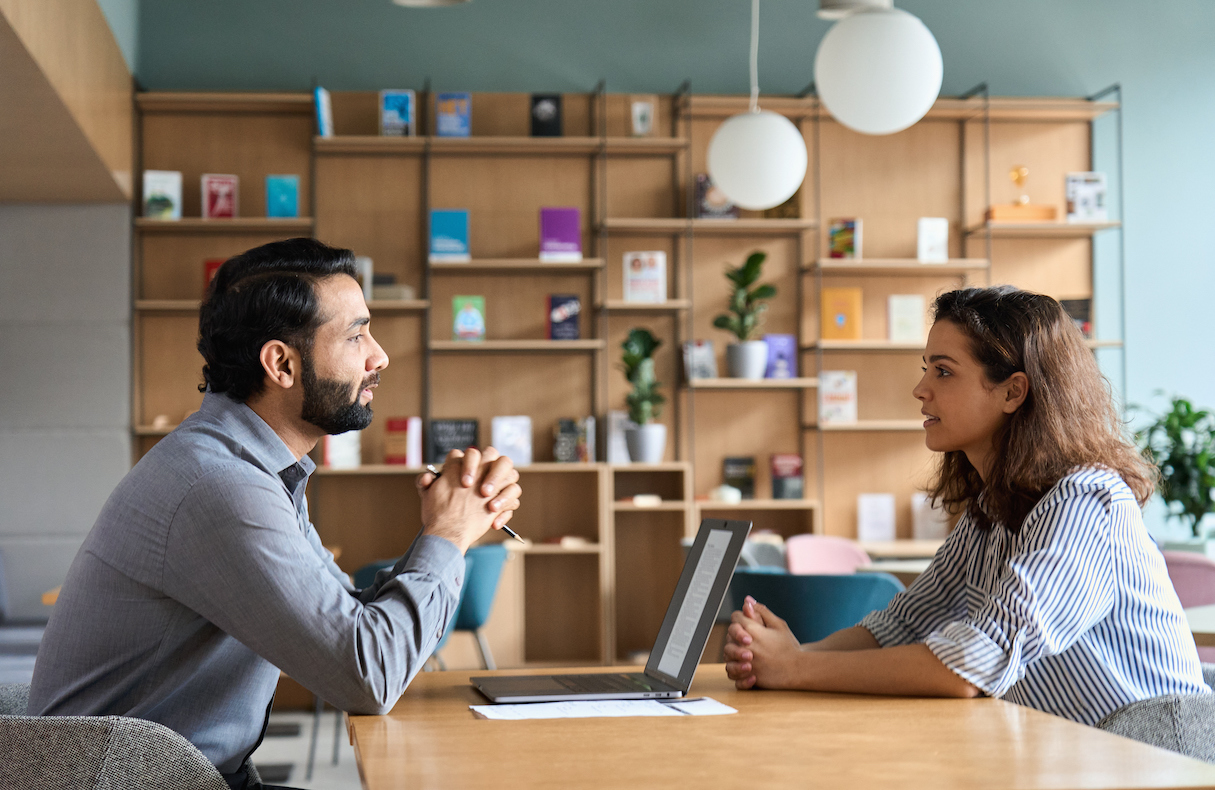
[(487, 657), (316, 726), (337, 732)]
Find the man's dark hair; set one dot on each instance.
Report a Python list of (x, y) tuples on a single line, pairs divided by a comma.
[(267, 293)]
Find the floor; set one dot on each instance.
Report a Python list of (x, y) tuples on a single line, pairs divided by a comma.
[(292, 750)]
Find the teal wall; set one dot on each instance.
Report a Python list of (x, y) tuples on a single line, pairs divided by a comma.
[(123, 18), (1161, 52)]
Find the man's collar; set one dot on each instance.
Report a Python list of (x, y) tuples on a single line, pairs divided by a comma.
[(258, 440)]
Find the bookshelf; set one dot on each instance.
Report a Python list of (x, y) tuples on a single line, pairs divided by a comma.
[(603, 600)]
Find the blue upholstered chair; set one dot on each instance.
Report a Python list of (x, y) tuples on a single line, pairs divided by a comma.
[(815, 606)]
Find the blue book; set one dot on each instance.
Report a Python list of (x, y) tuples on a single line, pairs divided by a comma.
[(324, 112), (782, 357), (449, 235), (282, 196), (397, 108), (453, 116)]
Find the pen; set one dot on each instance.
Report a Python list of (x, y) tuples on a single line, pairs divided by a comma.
[(439, 473)]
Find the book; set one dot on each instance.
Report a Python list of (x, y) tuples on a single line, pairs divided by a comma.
[(397, 113), (448, 435), (512, 436), (562, 317), (790, 209), (699, 359), (787, 480), (905, 314), (162, 194), (449, 235), (782, 357), (546, 115), (645, 277), (323, 106), (342, 451), (392, 292), (739, 472), (453, 115), (875, 517), (560, 234), (574, 440), (617, 447), (932, 240), (711, 202), (1085, 194), (282, 196), (220, 194), (468, 317), (210, 267), (364, 274), (837, 397), (403, 441), (1081, 312), (841, 314), (928, 521), (643, 117), (844, 238)]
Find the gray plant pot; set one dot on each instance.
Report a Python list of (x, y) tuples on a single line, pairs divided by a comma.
[(647, 443), (747, 360)]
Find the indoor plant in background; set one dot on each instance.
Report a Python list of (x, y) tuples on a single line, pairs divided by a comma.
[(747, 358), (646, 441), (1181, 442)]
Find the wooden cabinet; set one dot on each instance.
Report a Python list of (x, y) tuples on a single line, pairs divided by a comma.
[(602, 599)]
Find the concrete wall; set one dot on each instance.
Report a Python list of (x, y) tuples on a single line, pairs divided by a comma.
[(64, 385)]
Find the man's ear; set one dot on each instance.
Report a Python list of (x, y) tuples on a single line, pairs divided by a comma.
[(1016, 390), (281, 364)]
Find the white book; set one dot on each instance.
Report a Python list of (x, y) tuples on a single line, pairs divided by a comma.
[(1086, 197), (905, 318), (837, 397), (343, 451), (932, 240), (512, 436), (928, 522), (617, 448), (875, 517), (365, 274), (645, 276), (162, 194), (324, 111)]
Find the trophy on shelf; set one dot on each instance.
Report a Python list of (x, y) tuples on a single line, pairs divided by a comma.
[(1022, 210)]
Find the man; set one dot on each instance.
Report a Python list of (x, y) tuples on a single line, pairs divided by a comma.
[(203, 575)]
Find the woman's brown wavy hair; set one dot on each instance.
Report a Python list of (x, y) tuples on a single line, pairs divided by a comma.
[(1068, 419)]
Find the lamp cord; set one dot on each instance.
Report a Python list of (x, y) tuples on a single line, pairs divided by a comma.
[(754, 55)]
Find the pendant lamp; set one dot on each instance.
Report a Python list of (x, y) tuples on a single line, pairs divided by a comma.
[(878, 70), (757, 158)]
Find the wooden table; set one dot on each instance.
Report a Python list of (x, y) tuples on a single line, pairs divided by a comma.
[(776, 740), (1202, 624)]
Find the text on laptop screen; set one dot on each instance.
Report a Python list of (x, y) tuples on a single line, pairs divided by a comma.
[(694, 602)]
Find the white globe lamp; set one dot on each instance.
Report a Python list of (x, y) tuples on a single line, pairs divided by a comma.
[(758, 159), (878, 71)]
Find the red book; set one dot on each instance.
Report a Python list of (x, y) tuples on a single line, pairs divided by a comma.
[(219, 196), (210, 267)]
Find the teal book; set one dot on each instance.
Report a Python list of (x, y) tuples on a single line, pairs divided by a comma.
[(282, 196), (449, 235)]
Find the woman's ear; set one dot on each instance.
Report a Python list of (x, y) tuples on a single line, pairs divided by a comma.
[(1016, 390)]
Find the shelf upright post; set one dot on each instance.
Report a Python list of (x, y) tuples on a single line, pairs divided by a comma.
[(597, 125), (820, 445), (424, 242), (687, 257), (681, 259), (979, 90), (136, 277)]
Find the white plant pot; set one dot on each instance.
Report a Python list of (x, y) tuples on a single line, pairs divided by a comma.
[(747, 360), (647, 443)]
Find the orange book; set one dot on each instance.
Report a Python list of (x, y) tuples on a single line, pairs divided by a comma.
[(841, 314)]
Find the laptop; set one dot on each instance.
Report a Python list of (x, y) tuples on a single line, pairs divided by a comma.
[(681, 640)]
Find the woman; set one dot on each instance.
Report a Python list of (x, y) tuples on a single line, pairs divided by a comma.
[(1049, 591)]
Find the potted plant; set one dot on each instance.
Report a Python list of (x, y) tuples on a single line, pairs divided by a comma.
[(747, 358), (1181, 442), (648, 440)]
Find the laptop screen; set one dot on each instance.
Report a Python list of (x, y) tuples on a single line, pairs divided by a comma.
[(697, 599)]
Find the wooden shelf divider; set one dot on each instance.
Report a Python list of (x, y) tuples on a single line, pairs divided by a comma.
[(518, 346), (752, 384), (1040, 230), (516, 266), (241, 225), (901, 267), (669, 306), (870, 425)]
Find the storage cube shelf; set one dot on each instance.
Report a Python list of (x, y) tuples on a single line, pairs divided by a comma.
[(603, 599)]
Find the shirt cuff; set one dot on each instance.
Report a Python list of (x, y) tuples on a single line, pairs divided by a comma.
[(887, 629), (976, 658), (439, 557)]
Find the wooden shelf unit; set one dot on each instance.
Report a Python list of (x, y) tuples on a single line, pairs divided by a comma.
[(372, 194)]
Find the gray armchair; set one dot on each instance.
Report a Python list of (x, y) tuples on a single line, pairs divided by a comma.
[(1182, 723), (96, 752)]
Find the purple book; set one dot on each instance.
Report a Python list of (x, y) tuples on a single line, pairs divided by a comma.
[(560, 235), (782, 357)]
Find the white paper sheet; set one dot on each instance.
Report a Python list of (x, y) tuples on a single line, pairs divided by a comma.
[(602, 708)]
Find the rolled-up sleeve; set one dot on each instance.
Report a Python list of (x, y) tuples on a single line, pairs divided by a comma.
[(237, 556), (934, 598), (1052, 591)]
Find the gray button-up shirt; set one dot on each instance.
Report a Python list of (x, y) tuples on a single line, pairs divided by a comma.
[(203, 577)]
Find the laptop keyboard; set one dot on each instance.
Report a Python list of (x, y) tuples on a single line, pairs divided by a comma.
[(606, 684)]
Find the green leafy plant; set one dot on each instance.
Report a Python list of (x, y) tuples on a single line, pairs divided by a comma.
[(644, 402), (747, 303), (1181, 442)]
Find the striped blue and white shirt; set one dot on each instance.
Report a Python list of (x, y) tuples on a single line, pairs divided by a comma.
[(1073, 615)]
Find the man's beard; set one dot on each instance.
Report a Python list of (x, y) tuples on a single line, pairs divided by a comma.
[(327, 402)]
